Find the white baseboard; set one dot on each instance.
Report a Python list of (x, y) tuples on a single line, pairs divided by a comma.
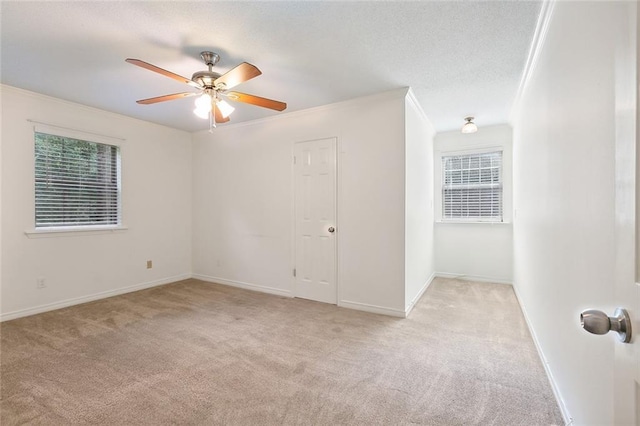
[(287, 293), (90, 298), (246, 286), (478, 278), (413, 302), (371, 308), (556, 391)]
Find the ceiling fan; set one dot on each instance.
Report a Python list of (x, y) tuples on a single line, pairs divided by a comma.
[(213, 88)]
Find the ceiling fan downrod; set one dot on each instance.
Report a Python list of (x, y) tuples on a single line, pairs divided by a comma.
[(207, 78)]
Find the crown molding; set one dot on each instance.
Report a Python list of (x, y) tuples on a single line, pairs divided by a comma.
[(411, 98), (542, 27), (35, 95), (378, 97)]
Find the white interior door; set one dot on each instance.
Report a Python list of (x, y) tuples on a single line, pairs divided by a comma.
[(627, 186), (315, 225)]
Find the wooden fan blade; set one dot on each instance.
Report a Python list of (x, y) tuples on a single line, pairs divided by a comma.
[(164, 72), (243, 72), (166, 98), (219, 117), (256, 100)]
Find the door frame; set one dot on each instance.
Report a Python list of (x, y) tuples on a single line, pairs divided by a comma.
[(626, 294), (336, 197)]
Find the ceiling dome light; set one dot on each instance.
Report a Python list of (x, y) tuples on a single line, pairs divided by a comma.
[(469, 126)]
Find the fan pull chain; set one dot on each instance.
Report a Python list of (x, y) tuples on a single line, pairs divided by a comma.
[(212, 120)]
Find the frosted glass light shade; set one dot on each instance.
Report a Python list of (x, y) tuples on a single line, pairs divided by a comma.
[(203, 106), (203, 102), (225, 108), (201, 112), (469, 126)]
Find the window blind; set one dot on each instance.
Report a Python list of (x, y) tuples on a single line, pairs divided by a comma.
[(77, 182), (472, 187)]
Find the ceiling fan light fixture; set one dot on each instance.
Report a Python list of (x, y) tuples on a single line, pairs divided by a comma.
[(203, 106), (469, 126), (204, 102), (211, 86), (225, 108)]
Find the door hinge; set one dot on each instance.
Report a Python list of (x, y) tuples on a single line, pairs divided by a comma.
[(294, 159), (294, 272)]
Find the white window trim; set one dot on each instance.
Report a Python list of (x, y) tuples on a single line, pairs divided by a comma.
[(66, 132), (73, 231), (506, 184), (69, 231)]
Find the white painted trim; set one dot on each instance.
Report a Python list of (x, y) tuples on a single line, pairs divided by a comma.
[(469, 222), (378, 97), (478, 278), (6, 87), (69, 132), (97, 296), (413, 302), (243, 285), (371, 308), (338, 198), (556, 391), (542, 26), (506, 176), (413, 101), (73, 231), (292, 237)]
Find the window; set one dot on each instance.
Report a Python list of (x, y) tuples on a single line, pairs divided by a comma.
[(472, 187), (77, 182)]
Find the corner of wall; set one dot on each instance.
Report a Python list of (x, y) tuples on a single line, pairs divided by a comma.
[(156, 208), (418, 203), (566, 417)]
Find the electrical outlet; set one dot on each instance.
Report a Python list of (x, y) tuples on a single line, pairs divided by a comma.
[(40, 282), (149, 264)]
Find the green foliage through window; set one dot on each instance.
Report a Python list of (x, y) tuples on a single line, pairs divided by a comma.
[(77, 182)]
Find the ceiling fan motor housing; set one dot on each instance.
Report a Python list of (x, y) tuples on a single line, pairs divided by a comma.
[(205, 78)]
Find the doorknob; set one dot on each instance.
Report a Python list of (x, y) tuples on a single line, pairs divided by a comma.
[(331, 229), (597, 322)]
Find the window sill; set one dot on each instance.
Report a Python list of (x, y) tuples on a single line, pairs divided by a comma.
[(73, 231), (469, 222)]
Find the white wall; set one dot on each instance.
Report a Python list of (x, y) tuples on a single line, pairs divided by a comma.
[(479, 251), (242, 189), (419, 253), (156, 203), (564, 180), (236, 229)]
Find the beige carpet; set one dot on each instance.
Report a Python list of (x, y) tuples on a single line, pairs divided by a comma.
[(199, 353)]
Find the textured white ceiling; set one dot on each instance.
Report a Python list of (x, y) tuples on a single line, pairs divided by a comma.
[(460, 58)]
